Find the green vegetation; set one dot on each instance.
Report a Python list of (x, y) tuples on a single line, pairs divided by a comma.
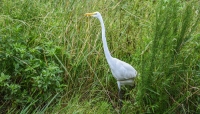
[(52, 61)]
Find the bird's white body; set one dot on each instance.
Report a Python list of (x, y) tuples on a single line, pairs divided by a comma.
[(123, 72)]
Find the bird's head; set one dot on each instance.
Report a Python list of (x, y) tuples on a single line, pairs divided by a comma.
[(94, 14)]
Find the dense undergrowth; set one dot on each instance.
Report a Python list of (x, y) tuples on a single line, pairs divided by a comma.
[(51, 57)]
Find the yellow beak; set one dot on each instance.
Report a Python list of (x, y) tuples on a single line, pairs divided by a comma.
[(89, 14)]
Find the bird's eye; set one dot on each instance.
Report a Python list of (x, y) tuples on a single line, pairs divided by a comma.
[(95, 13)]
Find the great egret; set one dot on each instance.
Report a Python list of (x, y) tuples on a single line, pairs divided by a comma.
[(123, 72)]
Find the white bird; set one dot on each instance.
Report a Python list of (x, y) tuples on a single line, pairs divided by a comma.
[(123, 72)]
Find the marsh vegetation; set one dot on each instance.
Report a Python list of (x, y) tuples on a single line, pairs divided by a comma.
[(52, 60)]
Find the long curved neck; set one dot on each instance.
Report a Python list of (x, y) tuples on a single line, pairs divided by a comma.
[(105, 46)]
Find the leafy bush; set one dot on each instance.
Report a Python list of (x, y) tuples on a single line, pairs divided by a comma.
[(26, 72), (29, 74)]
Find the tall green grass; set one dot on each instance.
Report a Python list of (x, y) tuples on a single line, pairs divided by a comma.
[(170, 75), (52, 61)]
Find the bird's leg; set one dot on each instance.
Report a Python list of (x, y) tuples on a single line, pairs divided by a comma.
[(120, 99), (119, 96)]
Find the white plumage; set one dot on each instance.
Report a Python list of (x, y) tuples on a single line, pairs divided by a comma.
[(123, 72)]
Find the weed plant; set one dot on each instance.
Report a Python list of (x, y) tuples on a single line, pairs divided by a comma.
[(170, 75)]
